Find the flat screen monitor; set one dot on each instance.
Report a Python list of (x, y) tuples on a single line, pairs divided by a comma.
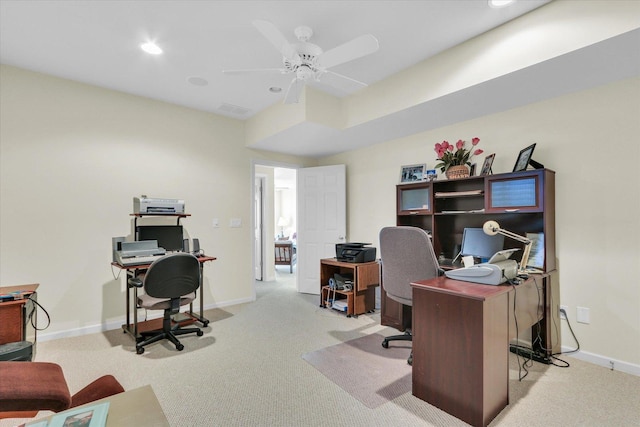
[(169, 237), (476, 243)]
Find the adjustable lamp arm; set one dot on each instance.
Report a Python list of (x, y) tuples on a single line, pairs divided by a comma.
[(492, 228)]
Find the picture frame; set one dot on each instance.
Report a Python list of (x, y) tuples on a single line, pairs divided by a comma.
[(524, 158), (472, 169), (90, 416), (486, 166), (413, 173)]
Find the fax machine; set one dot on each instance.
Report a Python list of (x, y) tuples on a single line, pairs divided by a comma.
[(130, 253), (149, 205), (498, 270), (355, 252)]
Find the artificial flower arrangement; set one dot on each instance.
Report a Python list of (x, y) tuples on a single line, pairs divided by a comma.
[(450, 155)]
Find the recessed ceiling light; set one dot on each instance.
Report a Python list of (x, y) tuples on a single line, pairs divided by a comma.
[(500, 3), (275, 89), (197, 81), (151, 48)]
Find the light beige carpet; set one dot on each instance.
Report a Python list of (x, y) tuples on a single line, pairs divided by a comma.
[(364, 369)]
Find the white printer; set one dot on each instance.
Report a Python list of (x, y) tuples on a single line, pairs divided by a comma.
[(498, 270), (150, 205)]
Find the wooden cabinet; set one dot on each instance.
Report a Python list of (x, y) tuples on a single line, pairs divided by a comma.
[(18, 319), (521, 202), (366, 276)]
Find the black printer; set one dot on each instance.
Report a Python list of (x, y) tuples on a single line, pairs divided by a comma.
[(355, 252)]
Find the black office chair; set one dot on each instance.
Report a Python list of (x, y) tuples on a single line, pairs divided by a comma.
[(407, 256), (170, 282)]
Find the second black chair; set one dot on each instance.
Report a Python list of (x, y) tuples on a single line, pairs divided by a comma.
[(170, 282)]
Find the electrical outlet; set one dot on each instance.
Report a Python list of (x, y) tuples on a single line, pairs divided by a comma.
[(562, 310)]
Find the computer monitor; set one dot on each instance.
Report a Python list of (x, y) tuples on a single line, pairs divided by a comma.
[(169, 237), (477, 244)]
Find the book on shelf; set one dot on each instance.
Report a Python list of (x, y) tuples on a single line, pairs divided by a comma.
[(536, 254), (458, 193)]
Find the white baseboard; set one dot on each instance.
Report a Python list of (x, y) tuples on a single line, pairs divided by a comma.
[(605, 362), (596, 359), (112, 324)]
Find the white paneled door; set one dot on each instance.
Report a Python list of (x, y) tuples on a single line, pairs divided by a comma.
[(321, 221)]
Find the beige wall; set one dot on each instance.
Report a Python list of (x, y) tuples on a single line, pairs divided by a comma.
[(73, 157), (590, 139)]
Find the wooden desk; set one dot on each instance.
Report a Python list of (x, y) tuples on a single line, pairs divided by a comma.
[(461, 334), (138, 407), (133, 271), (16, 315)]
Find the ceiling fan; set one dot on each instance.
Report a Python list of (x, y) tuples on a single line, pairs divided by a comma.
[(307, 61)]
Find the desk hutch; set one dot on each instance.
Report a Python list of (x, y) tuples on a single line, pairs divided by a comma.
[(521, 202)]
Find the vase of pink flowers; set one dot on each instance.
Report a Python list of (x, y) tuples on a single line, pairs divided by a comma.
[(455, 159)]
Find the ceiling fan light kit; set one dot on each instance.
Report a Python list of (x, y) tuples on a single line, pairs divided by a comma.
[(307, 61)]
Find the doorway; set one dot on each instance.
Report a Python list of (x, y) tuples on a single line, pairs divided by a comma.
[(275, 219)]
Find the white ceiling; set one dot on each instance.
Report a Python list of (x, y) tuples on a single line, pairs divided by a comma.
[(97, 42)]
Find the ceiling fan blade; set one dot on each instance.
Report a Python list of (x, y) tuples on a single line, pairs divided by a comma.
[(293, 92), (347, 78), (257, 70), (275, 36), (356, 48)]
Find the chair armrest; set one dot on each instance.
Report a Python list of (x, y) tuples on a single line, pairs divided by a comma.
[(135, 282), (33, 386), (104, 386)]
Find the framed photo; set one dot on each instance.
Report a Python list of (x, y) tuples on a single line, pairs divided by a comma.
[(486, 166), (523, 158), (89, 416), (472, 170), (413, 173), (431, 175)]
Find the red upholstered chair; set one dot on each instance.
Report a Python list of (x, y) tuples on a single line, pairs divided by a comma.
[(29, 387)]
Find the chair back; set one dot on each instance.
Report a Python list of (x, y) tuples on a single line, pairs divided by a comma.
[(173, 276), (284, 252), (407, 256)]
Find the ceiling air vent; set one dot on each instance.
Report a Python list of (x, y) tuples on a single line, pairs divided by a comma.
[(234, 109)]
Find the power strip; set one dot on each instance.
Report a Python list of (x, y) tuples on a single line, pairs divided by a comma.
[(529, 354)]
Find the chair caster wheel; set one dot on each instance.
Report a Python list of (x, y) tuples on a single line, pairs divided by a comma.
[(205, 324), (385, 344), (199, 333), (139, 350), (179, 347)]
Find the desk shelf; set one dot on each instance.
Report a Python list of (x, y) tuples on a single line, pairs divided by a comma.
[(140, 215), (329, 296), (366, 276)]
